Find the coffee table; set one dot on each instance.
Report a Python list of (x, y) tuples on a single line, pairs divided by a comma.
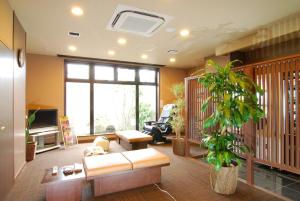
[(63, 187), (133, 140)]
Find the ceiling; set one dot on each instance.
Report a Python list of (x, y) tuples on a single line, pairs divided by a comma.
[(211, 23)]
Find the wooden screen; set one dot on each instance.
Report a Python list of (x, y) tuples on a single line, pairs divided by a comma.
[(277, 135), (196, 94)]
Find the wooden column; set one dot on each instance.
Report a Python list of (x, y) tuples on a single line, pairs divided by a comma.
[(187, 121), (249, 137)]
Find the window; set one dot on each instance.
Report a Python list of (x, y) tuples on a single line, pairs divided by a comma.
[(111, 113), (78, 71), (102, 98), (104, 73), (147, 76), (147, 104), (126, 74), (78, 107)]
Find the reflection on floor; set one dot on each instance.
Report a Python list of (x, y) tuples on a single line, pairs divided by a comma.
[(281, 182)]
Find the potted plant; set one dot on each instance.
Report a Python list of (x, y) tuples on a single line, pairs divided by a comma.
[(177, 121), (30, 145), (234, 96)]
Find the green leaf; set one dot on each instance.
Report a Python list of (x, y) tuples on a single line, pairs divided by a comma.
[(205, 104)]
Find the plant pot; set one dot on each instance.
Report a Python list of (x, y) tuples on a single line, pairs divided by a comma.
[(30, 151), (178, 146), (224, 181)]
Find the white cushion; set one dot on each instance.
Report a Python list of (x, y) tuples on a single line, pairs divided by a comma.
[(101, 142), (105, 164), (93, 150), (149, 157)]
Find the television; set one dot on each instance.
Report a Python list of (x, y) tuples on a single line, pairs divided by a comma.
[(44, 118)]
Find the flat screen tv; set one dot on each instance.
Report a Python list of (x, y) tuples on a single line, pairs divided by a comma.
[(44, 118)]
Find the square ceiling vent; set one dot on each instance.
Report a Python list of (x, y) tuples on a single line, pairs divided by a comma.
[(136, 21)]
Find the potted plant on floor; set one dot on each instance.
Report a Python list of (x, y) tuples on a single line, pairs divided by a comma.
[(234, 96), (177, 121), (30, 145)]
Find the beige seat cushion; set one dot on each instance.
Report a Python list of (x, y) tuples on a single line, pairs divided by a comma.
[(146, 158), (105, 164), (134, 136)]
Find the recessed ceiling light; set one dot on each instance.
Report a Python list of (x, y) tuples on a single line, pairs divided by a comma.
[(72, 48), (122, 41), (172, 60), (111, 52), (77, 11), (184, 32), (144, 56)]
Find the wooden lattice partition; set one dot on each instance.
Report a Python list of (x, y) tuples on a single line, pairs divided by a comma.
[(275, 140)]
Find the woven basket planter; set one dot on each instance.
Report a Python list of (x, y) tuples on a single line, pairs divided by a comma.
[(224, 181), (178, 146)]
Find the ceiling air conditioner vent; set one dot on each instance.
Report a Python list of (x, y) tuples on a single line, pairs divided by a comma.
[(136, 21)]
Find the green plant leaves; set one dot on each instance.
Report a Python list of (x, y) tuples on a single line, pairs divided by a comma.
[(235, 96)]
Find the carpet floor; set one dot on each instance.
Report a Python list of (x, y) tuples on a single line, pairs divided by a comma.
[(186, 179)]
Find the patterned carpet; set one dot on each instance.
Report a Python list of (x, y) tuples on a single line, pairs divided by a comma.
[(186, 179)]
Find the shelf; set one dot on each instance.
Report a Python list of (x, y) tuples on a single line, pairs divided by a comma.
[(45, 133), (47, 149)]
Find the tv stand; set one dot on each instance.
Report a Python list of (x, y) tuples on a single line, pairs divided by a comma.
[(42, 136)]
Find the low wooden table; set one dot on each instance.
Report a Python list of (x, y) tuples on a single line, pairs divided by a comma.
[(63, 187), (133, 140)]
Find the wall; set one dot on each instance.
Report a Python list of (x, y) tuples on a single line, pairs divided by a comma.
[(45, 82), (19, 42), (168, 77), (6, 24)]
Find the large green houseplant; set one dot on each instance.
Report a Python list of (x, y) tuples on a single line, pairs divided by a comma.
[(30, 144), (177, 121), (234, 96)]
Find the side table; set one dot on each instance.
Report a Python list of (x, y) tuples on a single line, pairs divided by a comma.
[(61, 187)]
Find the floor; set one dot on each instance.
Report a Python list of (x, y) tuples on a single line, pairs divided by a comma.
[(186, 179), (280, 182)]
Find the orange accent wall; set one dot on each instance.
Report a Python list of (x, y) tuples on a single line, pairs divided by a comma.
[(45, 82), (168, 77)]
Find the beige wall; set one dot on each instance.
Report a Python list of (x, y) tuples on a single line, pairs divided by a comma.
[(45, 82), (168, 77), (19, 99)]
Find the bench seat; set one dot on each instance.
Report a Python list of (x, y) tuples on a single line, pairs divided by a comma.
[(122, 171)]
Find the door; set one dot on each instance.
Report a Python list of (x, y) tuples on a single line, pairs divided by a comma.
[(6, 121)]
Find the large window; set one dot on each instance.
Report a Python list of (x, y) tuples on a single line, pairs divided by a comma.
[(102, 98)]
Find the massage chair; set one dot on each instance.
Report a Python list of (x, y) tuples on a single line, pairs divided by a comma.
[(161, 128)]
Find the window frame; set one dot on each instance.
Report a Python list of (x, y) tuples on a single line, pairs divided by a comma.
[(92, 81)]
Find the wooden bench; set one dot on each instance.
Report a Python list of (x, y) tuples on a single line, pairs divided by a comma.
[(122, 171), (133, 140)]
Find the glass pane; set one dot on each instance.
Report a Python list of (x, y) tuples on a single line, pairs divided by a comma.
[(126, 74), (104, 73), (114, 107), (78, 107), (78, 71), (147, 104), (147, 75)]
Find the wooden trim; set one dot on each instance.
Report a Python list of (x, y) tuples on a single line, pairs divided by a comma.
[(88, 59)]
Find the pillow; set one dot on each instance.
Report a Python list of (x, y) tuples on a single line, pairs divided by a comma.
[(93, 150)]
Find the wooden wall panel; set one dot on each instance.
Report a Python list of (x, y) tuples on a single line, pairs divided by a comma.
[(275, 139)]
